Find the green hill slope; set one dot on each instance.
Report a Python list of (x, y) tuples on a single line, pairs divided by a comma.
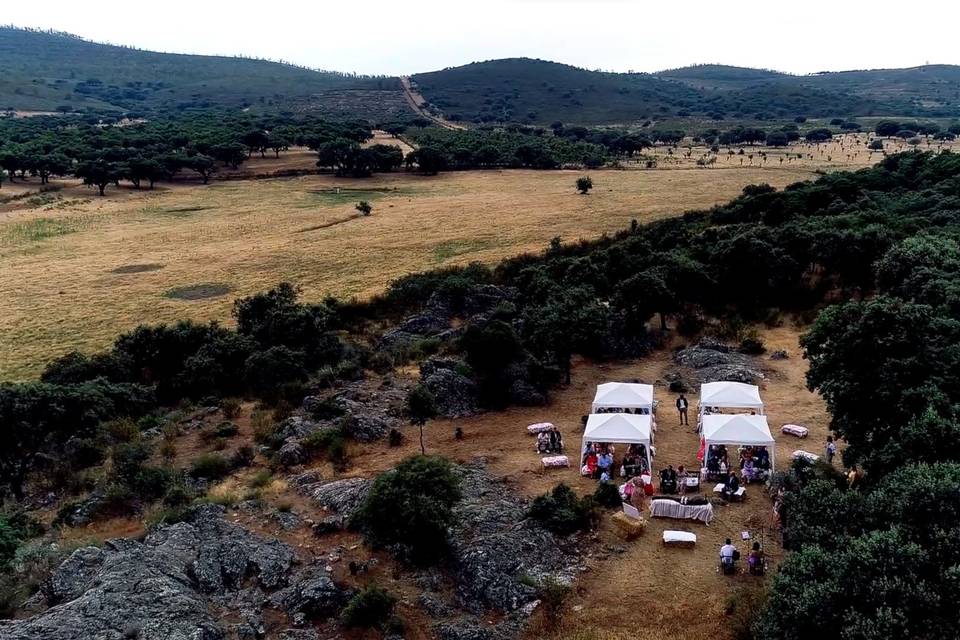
[(43, 71), (526, 90)]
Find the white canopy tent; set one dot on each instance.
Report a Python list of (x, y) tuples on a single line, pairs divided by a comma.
[(623, 395), (737, 429), (626, 428), (730, 395)]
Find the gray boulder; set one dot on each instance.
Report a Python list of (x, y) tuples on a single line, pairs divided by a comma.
[(292, 453), (315, 596), (343, 496), (456, 395)]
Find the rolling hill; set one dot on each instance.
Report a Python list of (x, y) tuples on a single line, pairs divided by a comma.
[(43, 71), (523, 89)]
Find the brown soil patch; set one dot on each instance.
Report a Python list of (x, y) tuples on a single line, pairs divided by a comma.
[(137, 268), (198, 291)]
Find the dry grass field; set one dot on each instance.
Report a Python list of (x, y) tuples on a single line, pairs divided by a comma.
[(76, 269)]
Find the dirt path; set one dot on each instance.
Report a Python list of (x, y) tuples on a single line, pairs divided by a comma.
[(417, 103), (382, 137)]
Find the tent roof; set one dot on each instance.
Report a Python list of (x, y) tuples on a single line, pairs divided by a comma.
[(617, 427), (736, 429), (730, 394), (623, 394)]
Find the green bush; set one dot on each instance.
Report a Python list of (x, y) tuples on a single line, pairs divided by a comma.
[(752, 345), (329, 442), (607, 495), (371, 608), (561, 511), (411, 508), (212, 466)]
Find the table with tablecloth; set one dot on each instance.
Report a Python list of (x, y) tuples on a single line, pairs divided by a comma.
[(674, 509)]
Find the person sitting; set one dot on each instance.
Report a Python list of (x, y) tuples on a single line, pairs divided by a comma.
[(543, 442), (604, 463), (755, 560), (631, 464), (728, 557), (763, 459), (589, 468), (555, 440), (749, 471), (730, 487), (722, 472), (668, 480)]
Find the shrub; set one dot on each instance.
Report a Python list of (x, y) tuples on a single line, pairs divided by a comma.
[(584, 184), (553, 594), (561, 511), (243, 457), (211, 466), (128, 459), (150, 483), (411, 507), (752, 345), (222, 430), (260, 479), (395, 437), (370, 608), (230, 408), (607, 495), (329, 442)]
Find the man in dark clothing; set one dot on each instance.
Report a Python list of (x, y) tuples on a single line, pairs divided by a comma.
[(682, 406)]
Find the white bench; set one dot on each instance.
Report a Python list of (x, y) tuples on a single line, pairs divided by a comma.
[(794, 430), (806, 455), (555, 462), (679, 538), (736, 495), (539, 427)]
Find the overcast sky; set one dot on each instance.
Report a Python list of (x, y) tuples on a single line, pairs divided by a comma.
[(405, 36)]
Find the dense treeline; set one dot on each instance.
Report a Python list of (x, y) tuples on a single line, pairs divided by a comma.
[(879, 559), (513, 147), (147, 152)]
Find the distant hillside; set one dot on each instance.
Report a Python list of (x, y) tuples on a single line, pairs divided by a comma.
[(42, 71), (527, 90), (522, 89)]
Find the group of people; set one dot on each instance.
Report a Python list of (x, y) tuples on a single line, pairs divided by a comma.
[(639, 411), (673, 480), (754, 463), (729, 555), (550, 441), (635, 461), (598, 461)]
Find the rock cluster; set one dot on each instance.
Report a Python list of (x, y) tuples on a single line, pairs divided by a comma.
[(455, 393), (342, 496), (497, 551), (713, 361), (181, 583)]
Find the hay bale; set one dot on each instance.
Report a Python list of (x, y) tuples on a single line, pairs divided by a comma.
[(628, 528)]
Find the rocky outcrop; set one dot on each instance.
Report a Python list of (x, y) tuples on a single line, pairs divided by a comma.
[(455, 393), (713, 361), (343, 496), (497, 551), (161, 588)]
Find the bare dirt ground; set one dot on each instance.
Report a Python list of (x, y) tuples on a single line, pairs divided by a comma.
[(59, 251)]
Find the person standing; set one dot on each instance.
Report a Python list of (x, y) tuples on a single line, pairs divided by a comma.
[(682, 406), (831, 449)]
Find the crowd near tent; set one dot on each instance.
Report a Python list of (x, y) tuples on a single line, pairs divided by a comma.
[(730, 395), (738, 430), (623, 396), (621, 428)]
